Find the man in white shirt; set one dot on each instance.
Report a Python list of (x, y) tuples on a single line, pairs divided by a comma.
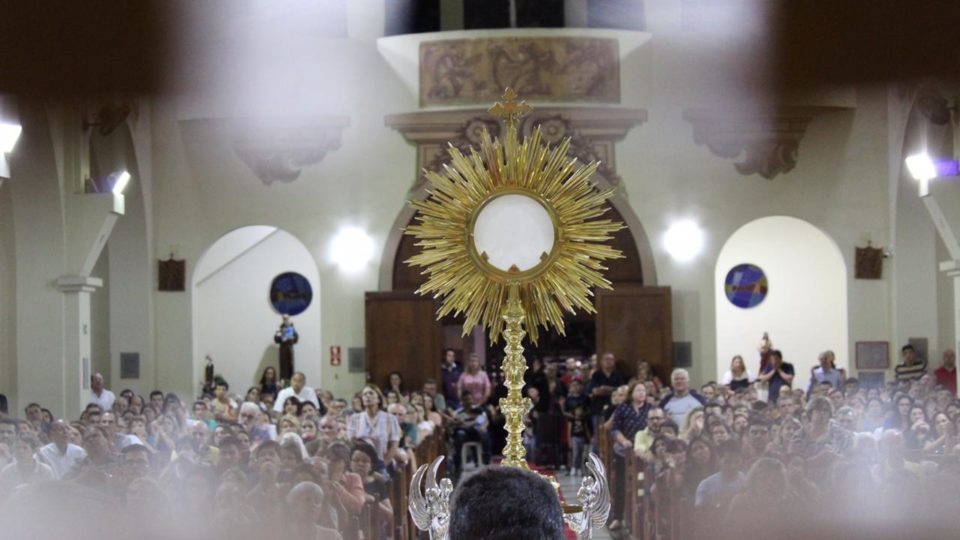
[(100, 395), (60, 455), (682, 399), (297, 389)]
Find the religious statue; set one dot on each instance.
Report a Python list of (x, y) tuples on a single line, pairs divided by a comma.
[(286, 336)]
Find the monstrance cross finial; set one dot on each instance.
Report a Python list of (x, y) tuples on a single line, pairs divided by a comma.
[(509, 109)]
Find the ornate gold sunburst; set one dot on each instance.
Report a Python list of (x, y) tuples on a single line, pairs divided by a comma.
[(461, 275)]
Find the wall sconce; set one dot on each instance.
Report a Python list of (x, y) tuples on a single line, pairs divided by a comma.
[(683, 240), (351, 249)]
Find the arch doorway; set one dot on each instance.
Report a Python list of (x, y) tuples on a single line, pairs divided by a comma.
[(401, 311), (805, 309), (234, 319)]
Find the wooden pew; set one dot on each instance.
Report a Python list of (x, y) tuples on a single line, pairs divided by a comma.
[(639, 509), (366, 522), (429, 448)]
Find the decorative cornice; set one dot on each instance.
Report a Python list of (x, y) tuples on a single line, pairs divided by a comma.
[(593, 132), (768, 140), (278, 150), (78, 284)]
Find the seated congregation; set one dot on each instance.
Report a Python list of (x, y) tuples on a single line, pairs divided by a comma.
[(746, 457)]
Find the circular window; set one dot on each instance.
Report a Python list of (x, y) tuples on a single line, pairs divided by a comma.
[(290, 293), (746, 285)]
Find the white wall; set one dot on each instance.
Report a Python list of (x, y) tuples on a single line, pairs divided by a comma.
[(8, 298), (805, 311), (233, 317), (100, 315)]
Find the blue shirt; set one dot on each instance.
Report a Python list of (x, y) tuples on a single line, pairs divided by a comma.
[(450, 377), (715, 492)]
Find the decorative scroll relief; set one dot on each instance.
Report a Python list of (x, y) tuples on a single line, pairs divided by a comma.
[(279, 150), (545, 69), (767, 142)]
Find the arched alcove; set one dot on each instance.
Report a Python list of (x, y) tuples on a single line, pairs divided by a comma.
[(805, 310), (234, 320)]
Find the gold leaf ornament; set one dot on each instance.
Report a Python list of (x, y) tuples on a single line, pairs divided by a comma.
[(462, 276)]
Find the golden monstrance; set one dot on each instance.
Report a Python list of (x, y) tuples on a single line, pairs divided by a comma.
[(511, 234)]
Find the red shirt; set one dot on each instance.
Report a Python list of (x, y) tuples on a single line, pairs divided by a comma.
[(947, 379)]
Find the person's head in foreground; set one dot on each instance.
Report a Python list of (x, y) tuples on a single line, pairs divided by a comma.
[(504, 503)]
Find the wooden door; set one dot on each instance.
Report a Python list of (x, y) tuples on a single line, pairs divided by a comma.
[(402, 334), (635, 323)]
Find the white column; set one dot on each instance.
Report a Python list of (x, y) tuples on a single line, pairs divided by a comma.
[(76, 340), (952, 269)]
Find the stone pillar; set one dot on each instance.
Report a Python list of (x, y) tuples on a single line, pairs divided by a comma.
[(76, 340)]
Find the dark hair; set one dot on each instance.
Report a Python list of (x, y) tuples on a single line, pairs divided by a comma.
[(295, 400), (504, 503), (338, 451), (263, 376), (360, 445), (777, 353), (907, 347), (264, 446), (230, 440), (398, 374), (675, 446), (156, 393), (669, 424), (728, 448)]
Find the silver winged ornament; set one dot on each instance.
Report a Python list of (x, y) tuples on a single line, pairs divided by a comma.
[(594, 499), (430, 509)]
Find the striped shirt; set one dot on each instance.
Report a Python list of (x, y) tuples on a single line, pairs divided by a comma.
[(912, 372)]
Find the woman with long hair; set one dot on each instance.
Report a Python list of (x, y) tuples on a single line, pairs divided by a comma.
[(475, 381), (628, 418), (738, 376), (693, 424), (395, 384), (899, 418), (268, 382), (945, 436), (432, 414)]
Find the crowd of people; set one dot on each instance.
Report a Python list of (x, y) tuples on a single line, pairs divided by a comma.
[(759, 458), (287, 457)]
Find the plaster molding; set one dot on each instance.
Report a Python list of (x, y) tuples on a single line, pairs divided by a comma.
[(950, 268), (278, 150), (593, 131), (78, 284), (768, 140)]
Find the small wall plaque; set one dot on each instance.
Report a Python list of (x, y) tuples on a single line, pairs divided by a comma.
[(171, 275), (129, 365), (873, 355)]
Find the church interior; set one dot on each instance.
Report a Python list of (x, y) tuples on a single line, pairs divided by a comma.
[(207, 211)]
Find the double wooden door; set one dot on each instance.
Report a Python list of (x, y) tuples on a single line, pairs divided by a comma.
[(402, 332)]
